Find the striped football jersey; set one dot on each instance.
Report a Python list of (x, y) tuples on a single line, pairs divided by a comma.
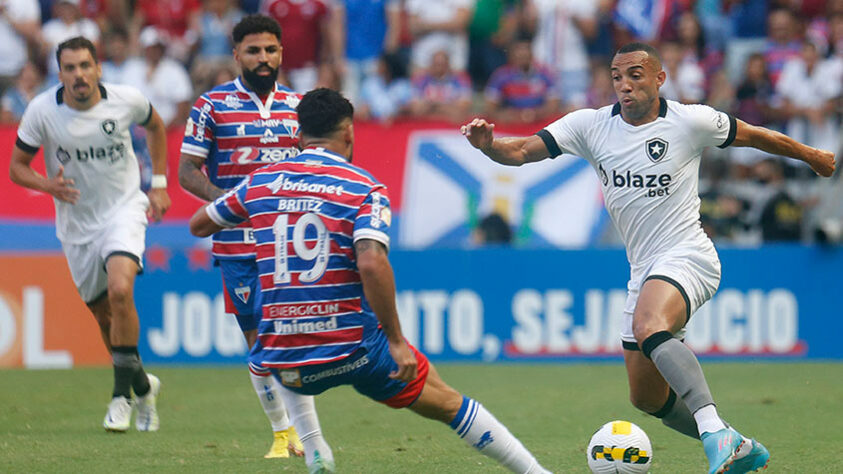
[(307, 212), (236, 133)]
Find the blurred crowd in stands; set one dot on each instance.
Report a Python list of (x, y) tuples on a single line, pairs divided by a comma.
[(777, 63)]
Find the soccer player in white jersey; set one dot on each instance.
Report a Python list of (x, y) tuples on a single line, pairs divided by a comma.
[(101, 213), (646, 151)]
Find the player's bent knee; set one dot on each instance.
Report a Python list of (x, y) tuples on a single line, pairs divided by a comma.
[(645, 324), (119, 296), (120, 290)]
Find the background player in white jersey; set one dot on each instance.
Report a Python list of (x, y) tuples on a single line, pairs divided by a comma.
[(355, 337), (646, 151), (234, 129), (101, 213)]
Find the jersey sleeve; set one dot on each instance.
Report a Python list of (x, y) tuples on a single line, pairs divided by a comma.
[(374, 217), (568, 134), (229, 210), (711, 127), (30, 130), (140, 106), (199, 132)]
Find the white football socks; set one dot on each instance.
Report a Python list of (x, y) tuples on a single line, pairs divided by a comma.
[(303, 412), (708, 420), (482, 431), (267, 389)]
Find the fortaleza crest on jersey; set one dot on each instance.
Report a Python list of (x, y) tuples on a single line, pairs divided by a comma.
[(242, 293), (108, 126), (656, 149)]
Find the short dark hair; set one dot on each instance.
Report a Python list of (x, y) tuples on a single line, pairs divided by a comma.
[(257, 23), (77, 42), (633, 47), (321, 111)]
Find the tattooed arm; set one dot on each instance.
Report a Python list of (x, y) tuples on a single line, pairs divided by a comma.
[(194, 180)]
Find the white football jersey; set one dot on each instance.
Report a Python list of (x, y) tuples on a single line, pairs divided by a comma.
[(95, 148), (650, 172)]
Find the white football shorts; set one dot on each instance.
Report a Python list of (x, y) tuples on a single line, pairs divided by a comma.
[(124, 234), (694, 272)]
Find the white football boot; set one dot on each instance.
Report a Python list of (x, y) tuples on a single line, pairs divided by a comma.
[(119, 415), (147, 419)]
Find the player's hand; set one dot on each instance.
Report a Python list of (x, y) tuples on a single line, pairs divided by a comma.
[(479, 133), (159, 203), (823, 162), (62, 188), (406, 360)]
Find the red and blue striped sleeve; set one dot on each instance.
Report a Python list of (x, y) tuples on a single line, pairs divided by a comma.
[(374, 217), (229, 210), (200, 130)]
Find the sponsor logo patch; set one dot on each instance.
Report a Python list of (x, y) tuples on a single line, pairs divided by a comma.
[(291, 378)]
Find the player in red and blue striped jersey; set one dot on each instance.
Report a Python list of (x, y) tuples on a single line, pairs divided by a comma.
[(329, 316), (234, 129)]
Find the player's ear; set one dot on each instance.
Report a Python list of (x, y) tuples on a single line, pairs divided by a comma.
[(348, 132), (660, 78)]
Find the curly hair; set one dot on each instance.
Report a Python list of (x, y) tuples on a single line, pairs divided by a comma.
[(321, 111), (252, 24)]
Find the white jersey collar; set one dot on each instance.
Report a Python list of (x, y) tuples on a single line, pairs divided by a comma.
[(60, 94), (321, 151), (264, 108)]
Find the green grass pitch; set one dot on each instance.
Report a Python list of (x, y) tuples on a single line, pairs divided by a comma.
[(50, 421)]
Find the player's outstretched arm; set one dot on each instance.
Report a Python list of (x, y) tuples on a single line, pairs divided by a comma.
[(379, 288), (21, 173), (510, 151), (201, 224), (156, 137), (771, 141)]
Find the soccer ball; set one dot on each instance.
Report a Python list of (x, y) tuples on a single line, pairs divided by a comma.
[(619, 447)]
